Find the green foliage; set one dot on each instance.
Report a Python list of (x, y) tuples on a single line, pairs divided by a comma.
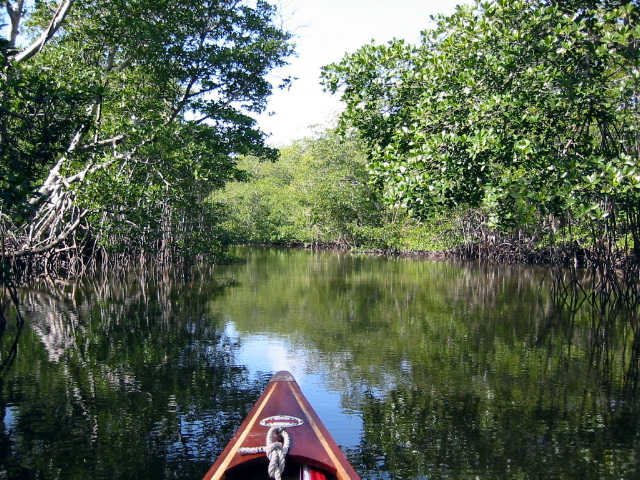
[(140, 108), (316, 192), (319, 191), (441, 232), (260, 210), (521, 107), (37, 118)]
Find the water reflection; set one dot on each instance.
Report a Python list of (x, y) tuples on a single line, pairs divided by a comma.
[(457, 370), (121, 378), (547, 408), (419, 369)]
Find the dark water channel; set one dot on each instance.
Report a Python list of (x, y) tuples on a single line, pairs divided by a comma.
[(420, 370)]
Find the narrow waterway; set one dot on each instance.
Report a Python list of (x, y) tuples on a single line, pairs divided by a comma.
[(419, 369)]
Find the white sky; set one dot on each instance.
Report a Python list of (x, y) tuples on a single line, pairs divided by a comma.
[(324, 31)]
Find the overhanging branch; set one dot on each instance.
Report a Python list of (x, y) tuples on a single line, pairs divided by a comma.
[(54, 26)]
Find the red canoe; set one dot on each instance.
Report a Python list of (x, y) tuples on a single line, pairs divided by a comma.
[(282, 422)]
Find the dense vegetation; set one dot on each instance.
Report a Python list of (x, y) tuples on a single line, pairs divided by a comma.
[(523, 110), (319, 193), (120, 117), (510, 125), (510, 132), (516, 120)]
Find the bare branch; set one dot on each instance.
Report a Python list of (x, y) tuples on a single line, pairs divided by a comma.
[(50, 246), (54, 26), (90, 169), (15, 14), (48, 185), (107, 142)]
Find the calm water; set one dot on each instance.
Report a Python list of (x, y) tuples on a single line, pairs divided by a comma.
[(419, 370)]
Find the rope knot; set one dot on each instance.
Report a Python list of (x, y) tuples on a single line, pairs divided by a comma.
[(273, 446), (274, 449)]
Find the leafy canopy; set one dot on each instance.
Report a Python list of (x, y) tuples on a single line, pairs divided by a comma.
[(524, 107), (138, 107), (316, 192)]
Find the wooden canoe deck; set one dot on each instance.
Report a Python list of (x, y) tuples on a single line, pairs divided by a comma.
[(310, 442)]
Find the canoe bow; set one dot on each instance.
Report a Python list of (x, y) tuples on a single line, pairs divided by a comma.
[(282, 403)]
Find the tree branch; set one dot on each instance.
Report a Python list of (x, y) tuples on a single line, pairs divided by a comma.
[(15, 14), (113, 141), (50, 246), (49, 184), (54, 26)]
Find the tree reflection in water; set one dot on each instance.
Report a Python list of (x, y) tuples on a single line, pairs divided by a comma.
[(9, 308), (572, 422), (121, 378), (457, 371)]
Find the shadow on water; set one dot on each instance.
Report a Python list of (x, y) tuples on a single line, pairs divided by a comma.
[(9, 306)]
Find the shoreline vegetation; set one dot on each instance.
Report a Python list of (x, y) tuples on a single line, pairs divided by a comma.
[(335, 207), (499, 137), (610, 290)]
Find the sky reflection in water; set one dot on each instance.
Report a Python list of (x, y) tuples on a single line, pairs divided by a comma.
[(263, 352)]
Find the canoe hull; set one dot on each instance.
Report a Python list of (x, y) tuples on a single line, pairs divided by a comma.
[(283, 404)]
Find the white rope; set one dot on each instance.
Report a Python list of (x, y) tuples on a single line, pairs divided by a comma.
[(274, 449)]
